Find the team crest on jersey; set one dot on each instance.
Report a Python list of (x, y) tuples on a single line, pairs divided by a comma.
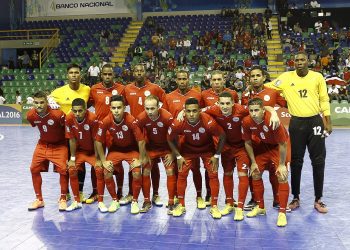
[(147, 93), (67, 128), (114, 92), (99, 132), (267, 98), (235, 119), (160, 124), (86, 126), (265, 128), (169, 130), (125, 128), (201, 130), (50, 122), (278, 83)]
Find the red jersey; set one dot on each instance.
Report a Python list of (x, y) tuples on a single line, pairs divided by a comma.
[(210, 97), (263, 131), (175, 101), (269, 96), (84, 132), (198, 138), (156, 131), (135, 96), (51, 125), (231, 124), (125, 134), (100, 97)]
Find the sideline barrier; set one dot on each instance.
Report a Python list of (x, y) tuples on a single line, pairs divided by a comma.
[(16, 114)]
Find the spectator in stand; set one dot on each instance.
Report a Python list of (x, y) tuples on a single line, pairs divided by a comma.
[(255, 53), (290, 64), (163, 55), (179, 43), (325, 62), (347, 61), (102, 63), (262, 53), (268, 25), (343, 94), (30, 99), (248, 63), (239, 73), (25, 60), (138, 51), (182, 60), (171, 64), (318, 26), (268, 13), (94, 72), (117, 70), (2, 99), (35, 59), (18, 97), (155, 39), (314, 4), (186, 43), (172, 43), (333, 93), (346, 75), (104, 36), (297, 28), (227, 37)]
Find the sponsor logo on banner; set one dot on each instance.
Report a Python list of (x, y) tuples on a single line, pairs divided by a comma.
[(10, 114)]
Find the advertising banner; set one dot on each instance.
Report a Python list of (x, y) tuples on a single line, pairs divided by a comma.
[(10, 114), (340, 114), (41, 8), (25, 109)]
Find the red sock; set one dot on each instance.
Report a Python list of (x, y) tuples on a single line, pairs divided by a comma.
[(197, 179), (93, 180), (111, 187), (228, 186), (171, 185), (100, 184), (136, 183), (146, 187), (181, 187), (64, 180), (74, 183), (275, 186), (283, 190), (155, 176), (258, 186), (130, 182), (214, 186), (242, 190), (37, 182)]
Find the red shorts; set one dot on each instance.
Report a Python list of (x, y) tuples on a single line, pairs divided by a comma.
[(157, 154), (157, 157), (118, 157), (231, 157), (191, 162), (83, 156), (269, 160), (44, 153)]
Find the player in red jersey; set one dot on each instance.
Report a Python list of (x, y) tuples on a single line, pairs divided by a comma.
[(271, 152), (135, 94), (100, 96), (155, 121), (229, 116), (81, 128), (128, 145), (51, 147), (198, 130), (175, 103), (217, 81), (270, 98)]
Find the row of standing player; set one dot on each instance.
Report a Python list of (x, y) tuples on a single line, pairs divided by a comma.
[(214, 210)]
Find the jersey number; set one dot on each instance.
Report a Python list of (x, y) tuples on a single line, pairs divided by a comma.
[(80, 135), (140, 101), (195, 136), (303, 93), (229, 126), (155, 131), (120, 135), (262, 135), (44, 128), (317, 130), (107, 100)]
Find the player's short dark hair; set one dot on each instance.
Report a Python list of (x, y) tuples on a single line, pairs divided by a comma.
[(107, 65), (183, 72), (191, 101), (40, 94), (117, 98), (73, 65), (258, 67), (152, 97), (79, 102), (256, 101), (226, 94)]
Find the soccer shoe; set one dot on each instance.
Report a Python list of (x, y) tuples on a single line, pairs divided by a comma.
[(282, 220), (102, 207), (227, 210), (114, 206), (239, 215), (256, 211), (35, 205), (208, 201), (276, 206), (201, 203), (171, 209), (179, 210), (125, 200), (75, 205), (147, 205), (62, 205), (250, 205), (157, 201), (235, 203), (134, 208), (176, 201), (92, 198), (215, 212), (320, 207), (82, 197), (294, 204)]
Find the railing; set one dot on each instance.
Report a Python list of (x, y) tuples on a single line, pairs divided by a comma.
[(47, 49)]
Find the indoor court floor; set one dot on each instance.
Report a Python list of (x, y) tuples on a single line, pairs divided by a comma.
[(87, 228)]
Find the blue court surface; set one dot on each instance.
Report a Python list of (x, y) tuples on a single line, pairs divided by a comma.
[(87, 228)]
